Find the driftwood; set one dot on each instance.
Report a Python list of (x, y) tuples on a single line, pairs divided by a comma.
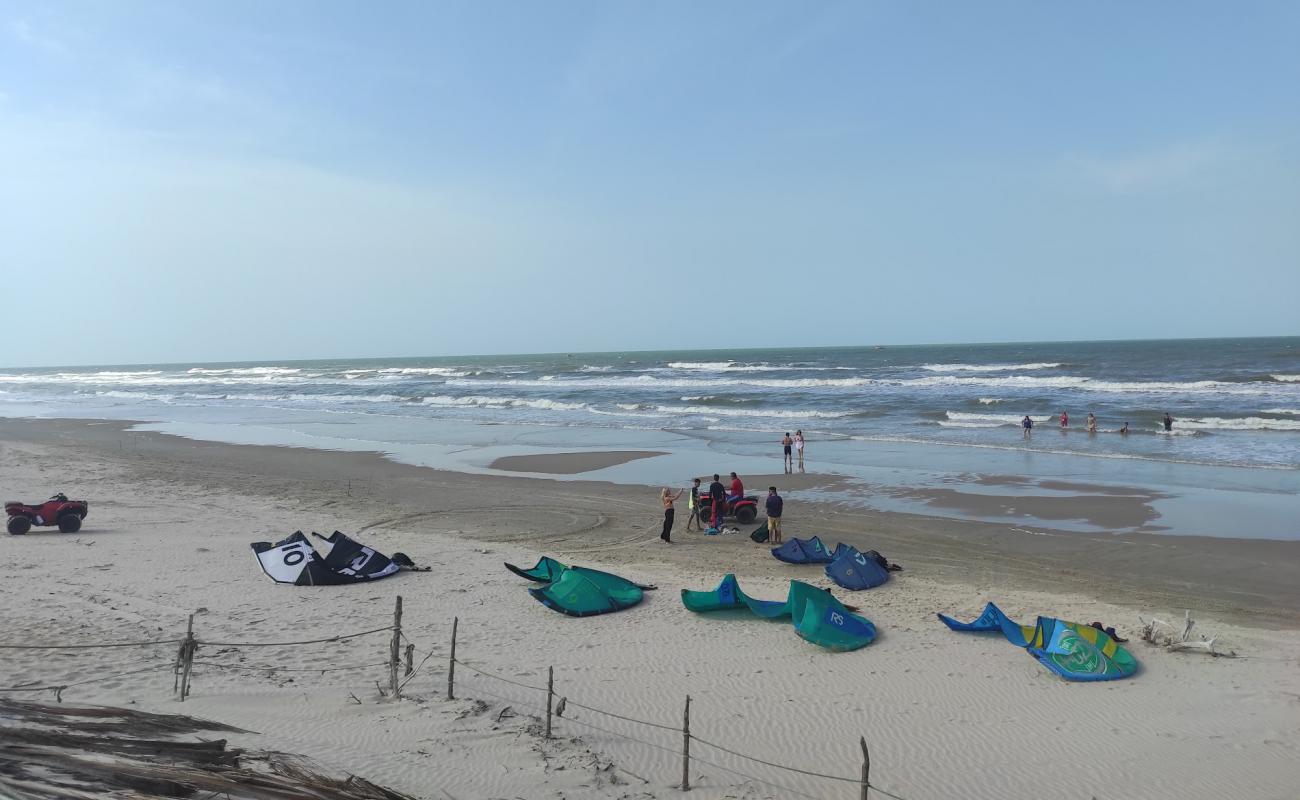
[(60, 751), (1162, 634)]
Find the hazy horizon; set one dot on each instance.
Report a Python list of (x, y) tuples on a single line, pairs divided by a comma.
[(633, 351)]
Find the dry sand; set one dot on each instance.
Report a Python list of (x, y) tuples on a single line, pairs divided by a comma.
[(946, 715)]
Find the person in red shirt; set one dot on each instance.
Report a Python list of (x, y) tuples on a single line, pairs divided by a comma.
[(737, 489)]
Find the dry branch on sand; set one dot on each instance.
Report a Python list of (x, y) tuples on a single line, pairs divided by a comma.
[(1161, 633), (84, 753)]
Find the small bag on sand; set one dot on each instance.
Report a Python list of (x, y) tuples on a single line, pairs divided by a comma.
[(760, 533)]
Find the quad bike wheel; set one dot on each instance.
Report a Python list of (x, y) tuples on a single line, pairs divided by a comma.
[(19, 525), (746, 514), (70, 523)]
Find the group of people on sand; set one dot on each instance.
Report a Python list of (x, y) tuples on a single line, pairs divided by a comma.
[(720, 497), (1028, 424)]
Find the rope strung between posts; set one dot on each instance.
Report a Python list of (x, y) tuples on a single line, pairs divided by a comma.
[(855, 781), (339, 638), (256, 669), (576, 704), (85, 646), (570, 701), (540, 710), (500, 678), (59, 688), (670, 750)]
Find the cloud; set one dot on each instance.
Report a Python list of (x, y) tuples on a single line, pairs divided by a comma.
[(22, 30), (1153, 169)]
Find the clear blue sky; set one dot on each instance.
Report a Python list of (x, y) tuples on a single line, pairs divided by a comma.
[(268, 180)]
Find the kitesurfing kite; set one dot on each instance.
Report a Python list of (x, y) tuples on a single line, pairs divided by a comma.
[(579, 591), (1072, 650), (294, 560), (817, 616)]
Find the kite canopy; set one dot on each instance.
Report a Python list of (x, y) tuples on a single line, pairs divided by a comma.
[(546, 570), (826, 622), (726, 597), (817, 616), (582, 592), (294, 560), (803, 551), (854, 570), (1074, 651)]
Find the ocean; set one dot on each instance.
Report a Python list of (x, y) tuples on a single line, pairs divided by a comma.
[(1235, 402)]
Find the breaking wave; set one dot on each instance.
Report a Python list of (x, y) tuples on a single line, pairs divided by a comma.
[(988, 367)]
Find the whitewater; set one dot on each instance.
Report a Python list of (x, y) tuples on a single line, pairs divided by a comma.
[(1234, 401)]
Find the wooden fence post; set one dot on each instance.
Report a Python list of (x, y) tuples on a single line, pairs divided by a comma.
[(410, 659), (451, 662), (866, 767), (550, 693), (395, 650), (686, 746)]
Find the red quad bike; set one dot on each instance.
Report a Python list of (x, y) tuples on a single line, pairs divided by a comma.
[(58, 510), (745, 510)]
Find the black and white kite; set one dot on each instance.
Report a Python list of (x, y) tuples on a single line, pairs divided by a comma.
[(294, 560)]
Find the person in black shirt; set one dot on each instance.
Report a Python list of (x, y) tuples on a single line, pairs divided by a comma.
[(775, 505), (718, 496)]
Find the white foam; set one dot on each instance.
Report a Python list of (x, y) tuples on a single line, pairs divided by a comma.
[(990, 420), (988, 401), (752, 412), (1281, 411), (652, 382), (988, 367), (1238, 424), (1091, 384), (159, 398), (442, 371), (1286, 378), (244, 371), (481, 401)]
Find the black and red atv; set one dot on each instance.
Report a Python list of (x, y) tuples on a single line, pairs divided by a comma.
[(58, 510), (745, 509)]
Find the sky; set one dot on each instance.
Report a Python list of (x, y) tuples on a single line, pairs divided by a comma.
[(212, 181)]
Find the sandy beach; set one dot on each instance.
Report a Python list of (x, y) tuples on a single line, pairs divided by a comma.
[(945, 715)]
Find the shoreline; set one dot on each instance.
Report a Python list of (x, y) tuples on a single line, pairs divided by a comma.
[(1247, 581)]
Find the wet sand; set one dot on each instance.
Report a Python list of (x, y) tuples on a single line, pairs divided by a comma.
[(570, 463), (1248, 581)]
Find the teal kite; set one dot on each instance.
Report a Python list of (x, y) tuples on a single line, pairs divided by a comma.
[(724, 598), (545, 570), (817, 616), (579, 591), (1074, 651)]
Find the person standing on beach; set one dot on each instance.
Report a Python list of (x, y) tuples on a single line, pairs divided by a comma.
[(798, 447), (786, 444), (1169, 422), (693, 508), (1092, 423), (718, 499), (775, 505), (1028, 425), (1065, 420), (668, 499)]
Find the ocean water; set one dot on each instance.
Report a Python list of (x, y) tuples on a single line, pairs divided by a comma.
[(1235, 401)]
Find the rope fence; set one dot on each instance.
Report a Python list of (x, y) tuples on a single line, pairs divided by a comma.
[(863, 782), (182, 666)]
